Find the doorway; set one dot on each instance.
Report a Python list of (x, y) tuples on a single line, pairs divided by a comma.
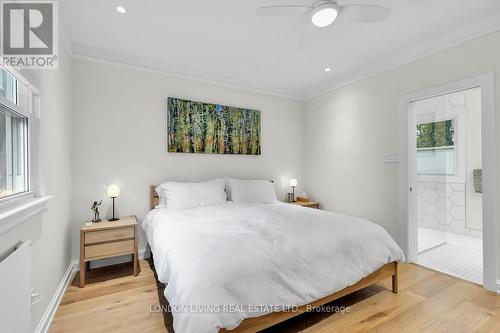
[(447, 181)]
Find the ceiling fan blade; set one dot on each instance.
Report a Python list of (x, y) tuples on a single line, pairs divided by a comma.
[(288, 10), (365, 13)]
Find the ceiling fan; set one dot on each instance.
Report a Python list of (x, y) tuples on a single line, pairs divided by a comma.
[(324, 12)]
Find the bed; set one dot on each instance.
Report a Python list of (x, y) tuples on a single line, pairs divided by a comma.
[(246, 267)]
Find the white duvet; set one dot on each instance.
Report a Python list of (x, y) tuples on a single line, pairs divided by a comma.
[(225, 263)]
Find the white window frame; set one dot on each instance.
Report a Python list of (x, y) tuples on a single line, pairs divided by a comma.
[(19, 208), (459, 149), (18, 110), (5, 89), (459, 140)]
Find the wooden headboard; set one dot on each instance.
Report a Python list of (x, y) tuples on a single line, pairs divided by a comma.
[(154, 199)]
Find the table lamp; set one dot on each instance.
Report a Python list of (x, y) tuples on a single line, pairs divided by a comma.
[(112, 192)]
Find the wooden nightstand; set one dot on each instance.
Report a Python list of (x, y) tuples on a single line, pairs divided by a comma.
[(108, 239), (310, 204)]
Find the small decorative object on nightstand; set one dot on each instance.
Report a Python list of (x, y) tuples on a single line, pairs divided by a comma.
[(293, 183), (108, 239), (95, 209), (310, 204), (112, 192)]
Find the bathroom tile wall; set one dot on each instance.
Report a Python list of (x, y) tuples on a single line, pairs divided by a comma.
[(441, 202), (441, 206)]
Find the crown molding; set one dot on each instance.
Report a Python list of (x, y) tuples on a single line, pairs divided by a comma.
[(99, 56), (419, 51)]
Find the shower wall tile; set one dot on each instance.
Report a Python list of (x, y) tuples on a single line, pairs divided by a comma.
[(441, 206)]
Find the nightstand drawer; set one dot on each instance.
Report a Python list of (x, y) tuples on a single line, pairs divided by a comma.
[(109, 235), (109, 249)]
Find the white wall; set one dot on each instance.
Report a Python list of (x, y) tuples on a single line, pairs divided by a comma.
[(119, 136), (50, 233), (349, 129)]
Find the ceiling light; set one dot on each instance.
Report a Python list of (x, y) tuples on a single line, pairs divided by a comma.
[(121, 10), (324, 14), (328, 69)]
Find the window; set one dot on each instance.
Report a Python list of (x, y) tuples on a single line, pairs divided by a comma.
[(8, 86), (13, 152), (21, 193), (436, 151), (14, 122)]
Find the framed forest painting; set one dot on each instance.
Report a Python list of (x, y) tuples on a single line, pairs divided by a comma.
[(197, 127)]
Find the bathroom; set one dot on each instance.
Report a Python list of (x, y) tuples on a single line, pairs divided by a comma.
[(449, 176)]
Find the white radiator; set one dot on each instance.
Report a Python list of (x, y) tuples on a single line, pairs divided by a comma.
[(15, 290)]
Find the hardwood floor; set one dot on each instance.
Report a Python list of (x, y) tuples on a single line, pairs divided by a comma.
[(115, 301)]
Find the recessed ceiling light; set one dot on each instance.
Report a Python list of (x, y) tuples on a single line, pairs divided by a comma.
[(324, 14), (328, 69), (121, 10)]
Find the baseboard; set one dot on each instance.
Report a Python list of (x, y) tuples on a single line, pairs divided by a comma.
[(498, 287), (48, 315), (44, 324)]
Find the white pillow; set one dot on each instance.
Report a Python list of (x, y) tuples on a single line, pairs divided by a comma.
[(177, 195), (256, 191)]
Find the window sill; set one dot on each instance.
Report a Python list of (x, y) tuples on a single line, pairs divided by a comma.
[(14, 216)]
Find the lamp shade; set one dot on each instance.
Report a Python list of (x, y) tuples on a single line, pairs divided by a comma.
[(113, 191), (293, 182)]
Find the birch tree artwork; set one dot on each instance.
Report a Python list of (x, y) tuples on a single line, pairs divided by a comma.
[(196, 127)]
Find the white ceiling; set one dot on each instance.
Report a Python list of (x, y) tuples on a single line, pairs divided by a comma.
[(225, 41)]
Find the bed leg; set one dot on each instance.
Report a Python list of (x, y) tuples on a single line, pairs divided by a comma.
[(395, 282)]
